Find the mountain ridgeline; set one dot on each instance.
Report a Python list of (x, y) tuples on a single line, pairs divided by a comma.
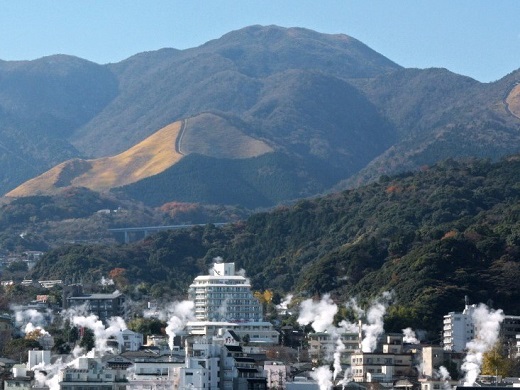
[(431, 237), (258, 117)]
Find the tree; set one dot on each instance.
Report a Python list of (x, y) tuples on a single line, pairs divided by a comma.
[(496, 361), (88, 340), (17, 349), (147, 326)]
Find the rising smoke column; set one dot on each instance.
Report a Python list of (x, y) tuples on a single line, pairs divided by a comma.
[(444, 375), (49, 374), (323, 376), (31, 319), (375, 325), (319, 314), (409, 336), (285, 303), (487, 327), (176, 315), (321, 317), (101, 334), (180, 314)]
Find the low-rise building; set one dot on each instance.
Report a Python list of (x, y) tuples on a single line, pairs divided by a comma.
[(129, 340), (89, 373), (387, 365), (322, 345), (104, 306), (276, 374)]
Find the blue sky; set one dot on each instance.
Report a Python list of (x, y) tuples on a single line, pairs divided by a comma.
[(477, 38)]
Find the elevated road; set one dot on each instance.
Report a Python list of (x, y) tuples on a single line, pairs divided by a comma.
[(178, 141), (144, 231)]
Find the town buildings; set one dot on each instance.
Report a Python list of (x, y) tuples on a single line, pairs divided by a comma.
[(219, 364), (459, 329)]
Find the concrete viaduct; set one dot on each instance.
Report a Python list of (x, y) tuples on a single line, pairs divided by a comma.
[(131, 234)]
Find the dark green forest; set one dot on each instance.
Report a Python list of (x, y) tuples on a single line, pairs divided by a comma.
[(432, 237)]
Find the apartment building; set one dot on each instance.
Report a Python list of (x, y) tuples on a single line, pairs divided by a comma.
[(223, 300)]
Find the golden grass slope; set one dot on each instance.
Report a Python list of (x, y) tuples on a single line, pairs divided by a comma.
[(211, 135), (149, 157), (206, 134), (513, 101)]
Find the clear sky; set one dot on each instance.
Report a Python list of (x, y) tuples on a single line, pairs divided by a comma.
[(477, 38)]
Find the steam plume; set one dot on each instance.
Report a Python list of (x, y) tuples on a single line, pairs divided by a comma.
[(101, 334), (319, 314), (285, 302), (487, 328), (180, 314), (445, 377), (410, 337), (323, 376), (374, 327)]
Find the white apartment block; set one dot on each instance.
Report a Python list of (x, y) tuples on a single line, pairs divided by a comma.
[(219, 364), (224, 296), (277, 374), (458, 329), (154, 375), (223, 300)]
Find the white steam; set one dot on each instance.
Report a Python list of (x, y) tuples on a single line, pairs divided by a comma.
[(106, 281), (319, 314), (101, 334), (180, 313), (487, 327), (285, 303), (375, 325), (31, 318), (444, 376), (323, 376), (410, 337)]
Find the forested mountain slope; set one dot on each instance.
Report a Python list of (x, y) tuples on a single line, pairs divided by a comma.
[(432, 237)]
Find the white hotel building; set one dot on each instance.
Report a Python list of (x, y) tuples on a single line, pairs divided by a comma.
[(223, 300)]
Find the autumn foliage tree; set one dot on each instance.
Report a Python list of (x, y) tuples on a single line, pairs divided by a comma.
[(118, 275), (496, 362)]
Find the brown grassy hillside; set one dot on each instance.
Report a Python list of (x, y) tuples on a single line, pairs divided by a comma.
[(205, 134), (213, 136), (147, 158), (513, 101)]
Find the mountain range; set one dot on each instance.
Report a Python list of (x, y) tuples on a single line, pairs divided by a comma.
[(260, 116)]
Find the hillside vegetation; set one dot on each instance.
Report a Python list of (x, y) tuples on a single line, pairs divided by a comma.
[(432, 237)]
